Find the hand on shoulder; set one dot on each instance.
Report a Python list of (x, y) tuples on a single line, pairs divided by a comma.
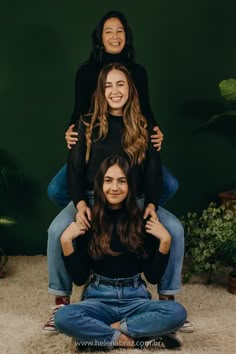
[(155, 228)]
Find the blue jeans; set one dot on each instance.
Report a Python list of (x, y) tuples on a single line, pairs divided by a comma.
[(89, 320), (58, 190), (58, 278)]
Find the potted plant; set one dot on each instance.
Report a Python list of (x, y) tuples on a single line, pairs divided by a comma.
[(4, 220), (228, 93), (227, 255), (3, 257), (206, 235)]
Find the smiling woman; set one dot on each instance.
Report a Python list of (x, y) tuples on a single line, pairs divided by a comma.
[(115, 187), (116, 309), (116, 91), (113, 36)]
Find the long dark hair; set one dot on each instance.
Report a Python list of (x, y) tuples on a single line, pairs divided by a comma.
[(130, 227), (98, 51), (135, 136)]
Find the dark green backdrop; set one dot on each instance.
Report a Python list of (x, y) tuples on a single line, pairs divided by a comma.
[(186, 46)]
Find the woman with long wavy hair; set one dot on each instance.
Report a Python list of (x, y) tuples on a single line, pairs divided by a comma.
[(116, 309), (135, 135), (116, 126)]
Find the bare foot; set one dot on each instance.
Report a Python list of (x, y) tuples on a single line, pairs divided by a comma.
[(116, 325), (125, 341)]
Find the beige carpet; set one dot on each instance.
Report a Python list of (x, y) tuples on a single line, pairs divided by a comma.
[(25, 306)]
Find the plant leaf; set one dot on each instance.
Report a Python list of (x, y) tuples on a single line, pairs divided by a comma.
[(228, 89), (5, 220)]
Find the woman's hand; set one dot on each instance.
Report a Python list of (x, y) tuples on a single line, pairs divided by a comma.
[(71, 136), (83, 215), (154, 227), (157, 138), (74, 230), (71, 232), (150, 210)]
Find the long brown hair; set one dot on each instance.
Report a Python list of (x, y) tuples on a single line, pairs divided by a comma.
[(135, 136), (130, 227)]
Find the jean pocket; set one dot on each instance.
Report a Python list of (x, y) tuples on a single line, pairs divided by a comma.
[(144, 291), (88, 290)]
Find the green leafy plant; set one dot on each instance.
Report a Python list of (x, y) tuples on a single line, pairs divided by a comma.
[(4, 187), (228, 92), (227, 255), (4, 220), (206, 235)]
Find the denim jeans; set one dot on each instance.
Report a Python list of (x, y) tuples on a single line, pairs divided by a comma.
[(58, 278), (89, 320), (58, 190)]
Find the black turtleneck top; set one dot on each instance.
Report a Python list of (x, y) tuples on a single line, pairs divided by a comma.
[(127, 264), (147, 176), (86, 83)]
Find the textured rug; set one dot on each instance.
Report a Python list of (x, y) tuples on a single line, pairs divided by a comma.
[(25, 307)]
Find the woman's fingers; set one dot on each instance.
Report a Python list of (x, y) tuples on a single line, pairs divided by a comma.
[(71, 133), (72, 141), (157, 138), (151, 222), (71, 137), (89, 214), (84, 216), (82, 228), (84, 221), (157, 145)]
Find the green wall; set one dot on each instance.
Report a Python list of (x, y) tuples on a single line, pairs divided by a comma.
[(187, 48)]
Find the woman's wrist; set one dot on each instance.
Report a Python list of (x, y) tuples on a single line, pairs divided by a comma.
[(165, 243), (65, 238), (70, 233), (67, 245)]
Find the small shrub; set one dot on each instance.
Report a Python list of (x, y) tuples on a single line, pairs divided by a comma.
[(205, 236)]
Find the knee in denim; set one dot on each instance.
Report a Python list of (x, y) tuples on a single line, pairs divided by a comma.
[(171, 185), (60, 318), (52, 191), (56, 228), (180, 314)]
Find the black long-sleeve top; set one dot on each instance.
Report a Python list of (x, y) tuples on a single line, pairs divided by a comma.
[(86, 83), (147, 176), (79, 264)]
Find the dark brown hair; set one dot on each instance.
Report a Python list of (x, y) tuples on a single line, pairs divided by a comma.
[(97, 51), (130, 227)]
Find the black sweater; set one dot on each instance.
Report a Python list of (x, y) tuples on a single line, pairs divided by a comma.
[(86, 83), (79, 264), (148, 175)]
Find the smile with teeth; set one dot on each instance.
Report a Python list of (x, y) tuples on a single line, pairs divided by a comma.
[(116, 99), (115, 43)]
